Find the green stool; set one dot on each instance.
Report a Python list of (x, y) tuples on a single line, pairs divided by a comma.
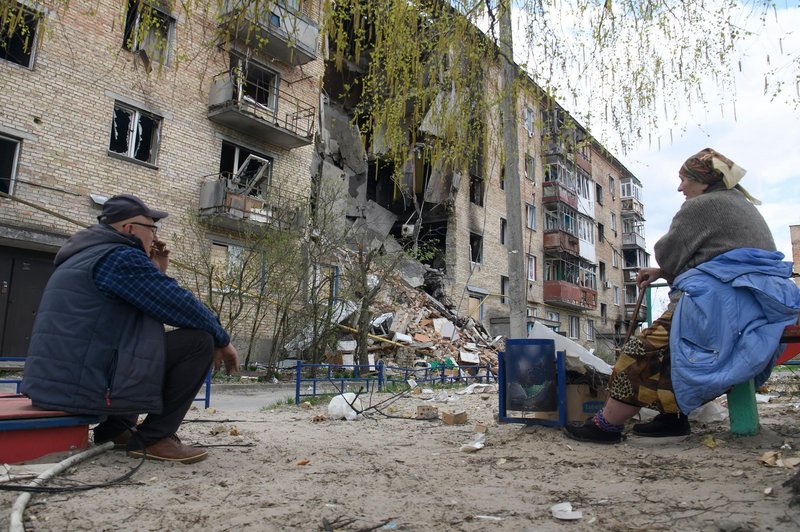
[(742, 409)]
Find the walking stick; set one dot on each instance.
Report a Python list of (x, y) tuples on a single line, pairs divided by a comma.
[(632, 324)]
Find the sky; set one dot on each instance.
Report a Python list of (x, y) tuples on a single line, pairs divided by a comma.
[(757, 133)]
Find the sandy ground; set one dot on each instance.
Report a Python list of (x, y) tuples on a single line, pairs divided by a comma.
[(294, 468)]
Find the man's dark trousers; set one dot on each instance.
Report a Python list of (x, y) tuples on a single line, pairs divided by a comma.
[(189, 354)]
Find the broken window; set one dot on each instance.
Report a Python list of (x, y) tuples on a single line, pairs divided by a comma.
[(18, 35), (531, 267), (599, 193), (528, 118), (503, 230), (504, 289), (530, 168), (248, 171), (530, 216), (148, 29), (589, 329), (475, 248), (503, 177), (255, 84), (603, 312), (9, 151), (476, 190), (135, 134)]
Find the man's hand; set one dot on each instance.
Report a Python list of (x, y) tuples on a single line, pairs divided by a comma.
[(648, 276), (159, 254), (229, 356)]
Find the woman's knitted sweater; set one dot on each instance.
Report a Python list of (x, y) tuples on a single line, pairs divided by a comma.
[(709, 225)]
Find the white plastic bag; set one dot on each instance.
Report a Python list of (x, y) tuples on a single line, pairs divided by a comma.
[(340, 407)]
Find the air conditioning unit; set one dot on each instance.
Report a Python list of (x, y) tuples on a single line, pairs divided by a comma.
[(607, 284), (407, 230)]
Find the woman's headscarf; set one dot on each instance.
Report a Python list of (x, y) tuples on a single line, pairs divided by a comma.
[(708, 167)]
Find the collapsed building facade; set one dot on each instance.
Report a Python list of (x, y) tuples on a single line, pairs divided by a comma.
[(582, 210), (231, 139)]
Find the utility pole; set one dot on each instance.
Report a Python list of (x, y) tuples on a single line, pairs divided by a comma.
[(508, 107)]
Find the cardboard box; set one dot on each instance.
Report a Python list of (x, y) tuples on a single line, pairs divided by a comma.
[(581, 404)]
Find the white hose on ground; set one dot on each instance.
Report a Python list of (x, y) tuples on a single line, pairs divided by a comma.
[(18, 509)]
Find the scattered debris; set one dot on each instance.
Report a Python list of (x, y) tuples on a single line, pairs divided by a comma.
[(776, 459), (564, 511), (477, 443), (454, 418), (427, 412), (345, 406)]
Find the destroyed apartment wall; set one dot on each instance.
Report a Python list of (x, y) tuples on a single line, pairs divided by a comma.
[(111, 90)]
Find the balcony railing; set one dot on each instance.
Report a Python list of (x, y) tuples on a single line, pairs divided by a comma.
[(279, 31), (553, 191), (640, 317), (281, 118), (557, 240), (632, 205), (633, 239), (566, 294), (224, 203)]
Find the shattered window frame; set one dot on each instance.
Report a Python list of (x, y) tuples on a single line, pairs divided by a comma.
[(19, 46), (504, 288), (476, 190), (530, 168), (10, 148), (255, 83), (530, 216), (503, 230), (232, 158), (531, 269), (475, 248), (150, 29), (140, 126)]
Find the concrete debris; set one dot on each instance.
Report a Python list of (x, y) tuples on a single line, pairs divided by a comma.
[(421, 332)]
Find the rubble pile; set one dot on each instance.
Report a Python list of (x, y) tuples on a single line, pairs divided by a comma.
[(412, 329)]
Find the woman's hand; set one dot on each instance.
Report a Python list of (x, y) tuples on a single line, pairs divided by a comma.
[(648, 276)]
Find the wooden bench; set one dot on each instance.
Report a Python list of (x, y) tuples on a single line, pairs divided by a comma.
[(742, 408)]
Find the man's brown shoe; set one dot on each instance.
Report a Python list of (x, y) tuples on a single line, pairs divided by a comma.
[(170, 449)]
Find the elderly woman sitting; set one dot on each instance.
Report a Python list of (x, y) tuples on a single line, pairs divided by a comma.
[(731, 298)]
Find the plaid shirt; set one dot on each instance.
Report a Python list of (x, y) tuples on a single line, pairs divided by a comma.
[(129, 274)]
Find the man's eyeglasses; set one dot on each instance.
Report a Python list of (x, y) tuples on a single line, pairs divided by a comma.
[(153, 228)]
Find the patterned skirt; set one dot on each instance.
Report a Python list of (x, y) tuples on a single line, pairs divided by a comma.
[(641, 375)]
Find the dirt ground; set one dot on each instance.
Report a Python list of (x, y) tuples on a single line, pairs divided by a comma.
[(294, 468)]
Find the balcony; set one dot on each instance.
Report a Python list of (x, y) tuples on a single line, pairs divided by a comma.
[(630, 240), (279, 31), (553, 192), (568, 295), (224, 203), (561, 241), (640, 317), (280, 118), (632, 206)]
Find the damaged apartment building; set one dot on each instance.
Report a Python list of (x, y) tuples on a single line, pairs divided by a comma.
[(215, 115), (207, 115), (581, 209)]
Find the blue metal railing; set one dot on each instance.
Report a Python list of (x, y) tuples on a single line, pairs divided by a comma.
[(340, 378), (15, 380)]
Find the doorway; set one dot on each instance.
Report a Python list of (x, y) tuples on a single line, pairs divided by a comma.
[(23, 276)]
